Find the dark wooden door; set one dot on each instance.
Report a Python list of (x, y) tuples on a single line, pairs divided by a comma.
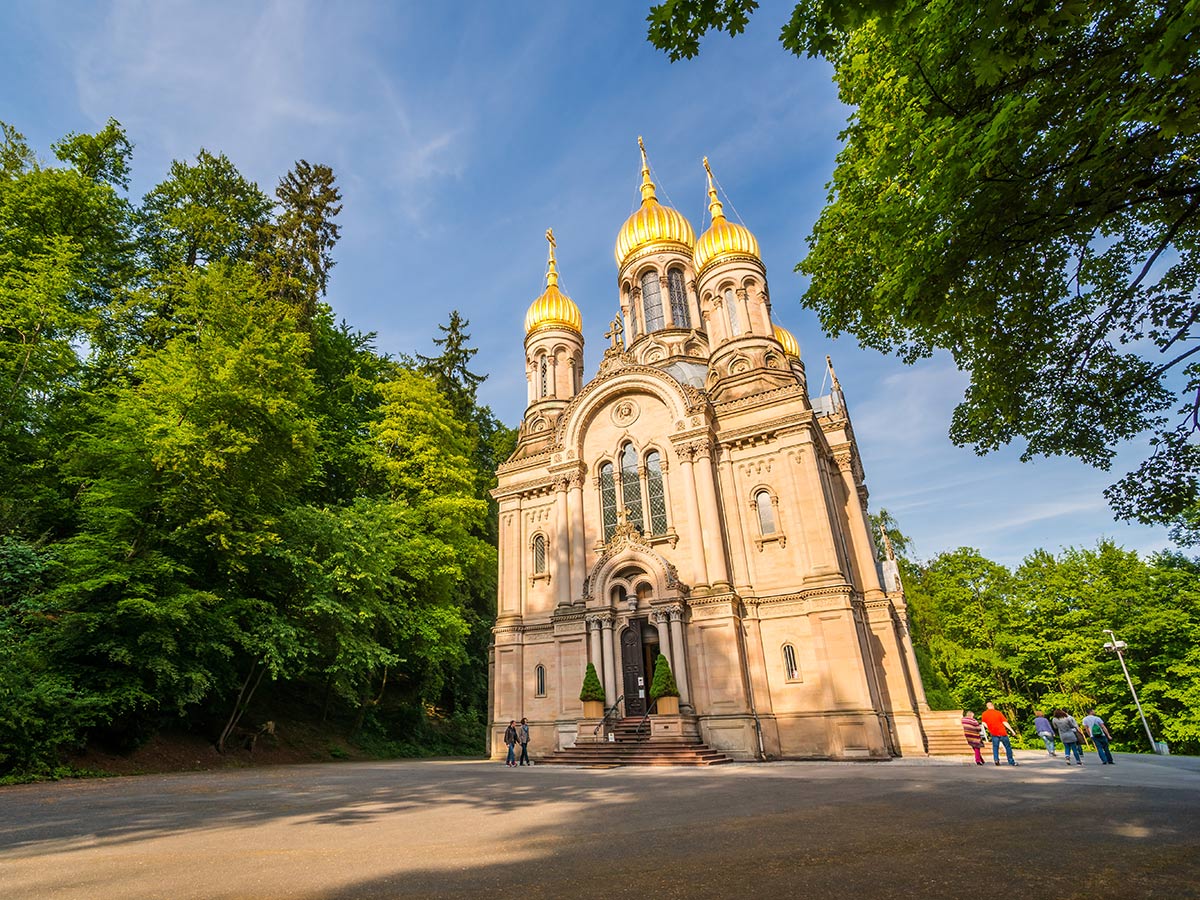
[(633, 668)]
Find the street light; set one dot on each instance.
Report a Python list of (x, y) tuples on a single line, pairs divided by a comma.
[(1116, 646)]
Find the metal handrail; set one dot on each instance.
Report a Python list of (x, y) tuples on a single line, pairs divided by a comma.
[(607, 712), (645, 720)]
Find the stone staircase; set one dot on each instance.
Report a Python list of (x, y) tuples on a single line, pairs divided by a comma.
[(629, 748), (944, 734)]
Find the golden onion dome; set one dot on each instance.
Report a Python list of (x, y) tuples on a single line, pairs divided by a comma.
[(553, 309), (785, 337), (723, 238), (652, 223)]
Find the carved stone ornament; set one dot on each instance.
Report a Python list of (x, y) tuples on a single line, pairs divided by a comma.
[(625, 413), (624, 537)]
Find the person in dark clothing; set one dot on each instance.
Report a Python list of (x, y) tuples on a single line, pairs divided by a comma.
[(510, 738), (523, 738)]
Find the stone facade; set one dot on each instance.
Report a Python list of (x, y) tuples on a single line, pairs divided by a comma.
[(692, 500)]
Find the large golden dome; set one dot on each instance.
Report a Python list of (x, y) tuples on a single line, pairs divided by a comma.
[(652, 223), (724, 238), (553, 309), (790, 345)]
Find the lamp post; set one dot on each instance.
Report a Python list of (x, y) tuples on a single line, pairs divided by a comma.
[(1116, 646)]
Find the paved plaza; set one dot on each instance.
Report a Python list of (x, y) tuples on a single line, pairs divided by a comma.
[(906, 828)]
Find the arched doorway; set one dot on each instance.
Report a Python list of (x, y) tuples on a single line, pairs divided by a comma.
[(639, 650)]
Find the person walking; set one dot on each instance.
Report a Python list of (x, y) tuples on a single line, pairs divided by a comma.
[(1045, 731), (998, 727), (1068, 732), (523, 737), (1094, 726), (510, 738), (973, 732)]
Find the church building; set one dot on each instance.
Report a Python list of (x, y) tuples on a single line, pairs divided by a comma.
[(692, 499)]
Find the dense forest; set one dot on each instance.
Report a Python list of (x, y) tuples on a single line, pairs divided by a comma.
[(219, 505), (1032, 638)]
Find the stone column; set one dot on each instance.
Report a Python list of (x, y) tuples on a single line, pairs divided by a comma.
[(610, 665), (562, 578), (553, 360), (859, 530), (710, 517), (594, 652), (737, 529), (679, 652), (695, 533), (664, 291), (662, 623), (578, 547), (530, 381)]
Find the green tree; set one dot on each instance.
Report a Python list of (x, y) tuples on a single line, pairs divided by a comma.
[(204, 212), (300, 239), (1018, 186)]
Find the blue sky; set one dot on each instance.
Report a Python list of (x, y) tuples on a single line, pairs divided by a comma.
[(460, 132)]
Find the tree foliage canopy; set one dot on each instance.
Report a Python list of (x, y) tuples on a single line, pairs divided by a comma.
[(215, 500), (1019, 185)]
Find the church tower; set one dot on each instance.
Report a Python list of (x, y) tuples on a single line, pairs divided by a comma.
[(657, 281), (553, 350), (746, 355)]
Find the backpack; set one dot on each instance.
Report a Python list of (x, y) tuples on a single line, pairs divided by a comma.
[(1097, 730)]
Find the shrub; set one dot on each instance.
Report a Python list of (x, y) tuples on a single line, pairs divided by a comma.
[(664, 680), (592, 689)]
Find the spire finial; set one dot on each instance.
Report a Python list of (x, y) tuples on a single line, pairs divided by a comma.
[(551, 266), (887, 542), (714, 204), (647, 183), (832, 374)]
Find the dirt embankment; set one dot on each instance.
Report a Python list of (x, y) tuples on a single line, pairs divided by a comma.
[(292, 742)]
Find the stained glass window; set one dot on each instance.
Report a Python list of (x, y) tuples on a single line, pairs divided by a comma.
[(731, 305), (679, 306), (654, 489), (539, 681), (545, 377), (766, 512), (652, 302), (539, 554), (608, 500), (631, 487)]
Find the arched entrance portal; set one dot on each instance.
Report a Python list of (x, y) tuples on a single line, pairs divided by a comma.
[(639, 650)]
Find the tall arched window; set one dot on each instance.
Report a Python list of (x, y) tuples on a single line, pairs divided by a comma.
[(631, 487), (791, 669), (731, 305), (545, 378), (652, 302), (766, 513), (679, 306), (655, 493), (608, 500), (539, 554), (539, 681)]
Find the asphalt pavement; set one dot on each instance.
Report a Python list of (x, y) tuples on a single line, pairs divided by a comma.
[(906, 828)]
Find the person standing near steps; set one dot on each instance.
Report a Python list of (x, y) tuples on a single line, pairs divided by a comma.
[(973, 732), (523, 737), (997, 727)]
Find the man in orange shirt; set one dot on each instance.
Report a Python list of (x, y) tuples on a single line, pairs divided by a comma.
[(997, 727)]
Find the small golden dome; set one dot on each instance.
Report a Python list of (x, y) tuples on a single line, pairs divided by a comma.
[(553, 309), (790, 346), (723, 238), (652, 223)]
